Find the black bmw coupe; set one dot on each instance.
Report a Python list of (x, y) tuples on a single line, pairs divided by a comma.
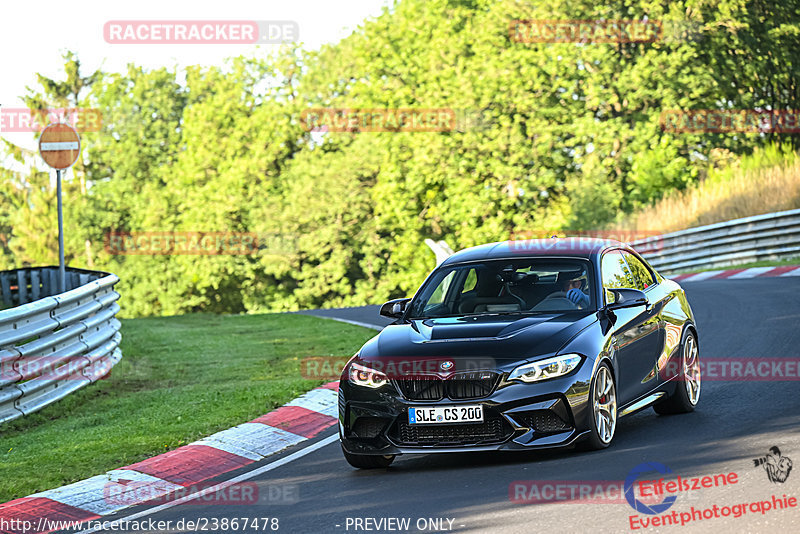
[(521, 345)]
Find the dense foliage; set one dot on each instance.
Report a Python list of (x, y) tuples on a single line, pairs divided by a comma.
[(550, 136)]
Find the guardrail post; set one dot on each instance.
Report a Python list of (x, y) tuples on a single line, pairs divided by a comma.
[(61, 268)]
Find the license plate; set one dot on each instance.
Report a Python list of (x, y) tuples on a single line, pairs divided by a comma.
[(445, 414)]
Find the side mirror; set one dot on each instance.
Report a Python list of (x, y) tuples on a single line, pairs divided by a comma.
[(394, 309), (625, 298)]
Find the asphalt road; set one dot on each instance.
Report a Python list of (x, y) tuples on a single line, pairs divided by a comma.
[(736, 421)]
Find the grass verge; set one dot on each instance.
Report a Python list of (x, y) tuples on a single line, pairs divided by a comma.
[(181, 378)]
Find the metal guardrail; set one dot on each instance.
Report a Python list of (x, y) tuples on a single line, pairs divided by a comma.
[(772, 236), (52, 344)]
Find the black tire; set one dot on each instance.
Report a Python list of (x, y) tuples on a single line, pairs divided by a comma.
[(595, 441), (681, 399), (368, 461)]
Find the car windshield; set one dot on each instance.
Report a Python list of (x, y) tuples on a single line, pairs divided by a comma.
[(521, 286)]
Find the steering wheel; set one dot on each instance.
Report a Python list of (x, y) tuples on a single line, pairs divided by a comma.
[(558, 298)]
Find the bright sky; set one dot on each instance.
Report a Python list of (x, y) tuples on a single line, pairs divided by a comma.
[(34, 34)]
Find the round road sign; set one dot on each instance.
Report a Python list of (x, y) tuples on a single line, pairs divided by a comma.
[(59, 145)]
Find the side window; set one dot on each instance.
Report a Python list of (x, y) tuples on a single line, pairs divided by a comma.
[(469, 283), (615, 271), (641, 274)]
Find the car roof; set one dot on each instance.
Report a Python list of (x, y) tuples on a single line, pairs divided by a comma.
[(577, 247)]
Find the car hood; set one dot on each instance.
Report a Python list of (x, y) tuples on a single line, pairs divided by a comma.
[(504, 338)]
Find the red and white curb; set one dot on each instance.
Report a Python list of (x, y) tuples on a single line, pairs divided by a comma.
[(737, 274), (159, 476)]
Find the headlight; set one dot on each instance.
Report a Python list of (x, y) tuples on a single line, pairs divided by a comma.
[(364, 376), (544, 369)]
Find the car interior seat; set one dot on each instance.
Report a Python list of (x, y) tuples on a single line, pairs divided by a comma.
[(487, 296)]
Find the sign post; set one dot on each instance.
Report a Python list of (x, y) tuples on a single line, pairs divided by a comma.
[(60, 146)]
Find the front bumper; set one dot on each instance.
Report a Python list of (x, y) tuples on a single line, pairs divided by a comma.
[(517, 416)]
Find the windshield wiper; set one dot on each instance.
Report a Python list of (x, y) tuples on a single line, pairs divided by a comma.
[(480, 314), (521, 312)]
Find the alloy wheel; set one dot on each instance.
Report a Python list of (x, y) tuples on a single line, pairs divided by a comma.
[(605, 405), (691, 369)]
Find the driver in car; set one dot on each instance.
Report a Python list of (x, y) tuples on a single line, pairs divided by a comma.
[(573, 285)]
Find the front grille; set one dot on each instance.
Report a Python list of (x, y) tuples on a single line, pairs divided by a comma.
[(542, 421), (460, 386), (493, 430), (471, 385), (429, 387)]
